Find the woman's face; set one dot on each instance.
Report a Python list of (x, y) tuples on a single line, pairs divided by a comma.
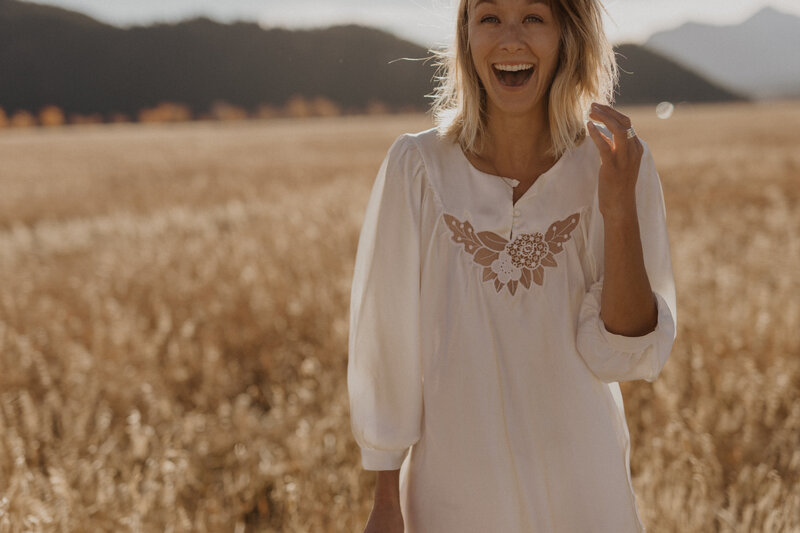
[(514, 45)]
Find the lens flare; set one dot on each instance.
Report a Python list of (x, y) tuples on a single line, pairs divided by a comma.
[(664, 110)]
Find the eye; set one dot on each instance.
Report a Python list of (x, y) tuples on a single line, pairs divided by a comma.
[(533, 18), (490, 18)]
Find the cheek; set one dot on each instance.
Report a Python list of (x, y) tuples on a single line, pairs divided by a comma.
[(548, 47), (478, 48), (554, 43), (477, 44)]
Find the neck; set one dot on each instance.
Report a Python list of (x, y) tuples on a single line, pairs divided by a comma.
[(518, 142)]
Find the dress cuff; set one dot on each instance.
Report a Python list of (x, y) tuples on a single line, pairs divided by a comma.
[(622, 343), (656, 344), (382, 459)]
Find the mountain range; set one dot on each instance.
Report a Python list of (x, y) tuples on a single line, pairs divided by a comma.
[(759, 57), (647, 77), (53, 56)]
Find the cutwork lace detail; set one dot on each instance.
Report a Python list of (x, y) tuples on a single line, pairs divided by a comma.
[(522, 260)]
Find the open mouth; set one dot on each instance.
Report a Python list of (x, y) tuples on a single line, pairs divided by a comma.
[(513, 75)]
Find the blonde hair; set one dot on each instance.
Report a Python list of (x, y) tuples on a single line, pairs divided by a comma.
[(586, 72)]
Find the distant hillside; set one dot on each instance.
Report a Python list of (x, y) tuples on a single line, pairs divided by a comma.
[(54, 56), (647, 77), (758, 57)]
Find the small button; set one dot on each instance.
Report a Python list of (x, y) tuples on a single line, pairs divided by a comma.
[(516, 212)]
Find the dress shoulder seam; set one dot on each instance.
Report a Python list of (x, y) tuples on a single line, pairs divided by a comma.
[(428, 184)]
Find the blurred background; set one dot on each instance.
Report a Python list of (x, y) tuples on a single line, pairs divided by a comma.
[(78, 61), (182, 184)]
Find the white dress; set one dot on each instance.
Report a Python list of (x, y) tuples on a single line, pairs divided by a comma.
[(478, 363)]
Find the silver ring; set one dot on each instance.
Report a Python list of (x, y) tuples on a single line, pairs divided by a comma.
[(631, 133)]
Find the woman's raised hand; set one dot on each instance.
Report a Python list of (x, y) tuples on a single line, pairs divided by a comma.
[(621, 157)]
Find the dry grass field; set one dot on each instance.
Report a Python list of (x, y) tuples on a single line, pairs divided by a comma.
[(174, 319)]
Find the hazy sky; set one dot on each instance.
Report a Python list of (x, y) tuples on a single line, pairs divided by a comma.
[(425, 21)]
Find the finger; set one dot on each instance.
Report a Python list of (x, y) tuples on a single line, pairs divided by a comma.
[(611, 122), (600, 140), (602, 131), (637, 145), (622, 144), (622, 118)]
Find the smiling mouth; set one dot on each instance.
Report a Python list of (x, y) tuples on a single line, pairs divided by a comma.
[(513, 75)]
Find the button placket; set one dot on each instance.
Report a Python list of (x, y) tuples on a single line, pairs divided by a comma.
[(515, 212)]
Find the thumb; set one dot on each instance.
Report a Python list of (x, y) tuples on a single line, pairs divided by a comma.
[(601, 141)]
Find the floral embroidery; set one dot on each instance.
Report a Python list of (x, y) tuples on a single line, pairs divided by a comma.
[(522, 260)]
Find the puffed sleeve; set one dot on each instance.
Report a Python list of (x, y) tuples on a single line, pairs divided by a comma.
[(614, 357), (384, 363)]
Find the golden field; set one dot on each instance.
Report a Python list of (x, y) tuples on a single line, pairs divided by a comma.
[(174, 320)]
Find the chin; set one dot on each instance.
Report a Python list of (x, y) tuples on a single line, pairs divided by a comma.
[(521, 100), (517, 106)]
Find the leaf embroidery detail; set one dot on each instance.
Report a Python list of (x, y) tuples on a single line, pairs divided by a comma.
[(559, 232), (514, 263), (492, 240), (485, 257), (463, 233)]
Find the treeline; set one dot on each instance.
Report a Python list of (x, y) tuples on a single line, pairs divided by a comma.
[(296, 107)]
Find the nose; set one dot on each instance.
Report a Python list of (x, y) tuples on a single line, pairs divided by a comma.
[(511, 40)]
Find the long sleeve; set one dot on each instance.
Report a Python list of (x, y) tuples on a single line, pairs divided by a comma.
[(384, 362), (613, 357)]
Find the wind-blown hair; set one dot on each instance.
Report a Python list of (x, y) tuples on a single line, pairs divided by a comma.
[(586, 71)]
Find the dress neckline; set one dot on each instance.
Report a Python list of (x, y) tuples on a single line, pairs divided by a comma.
[(511, 182)]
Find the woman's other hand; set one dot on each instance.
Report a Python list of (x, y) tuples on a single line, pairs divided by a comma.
[(385, 518), (386, 515), (621, 158)]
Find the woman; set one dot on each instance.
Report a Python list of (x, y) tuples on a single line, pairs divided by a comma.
[(513, 266)]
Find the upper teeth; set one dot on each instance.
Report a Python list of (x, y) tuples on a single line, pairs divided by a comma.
[(514, 68)]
